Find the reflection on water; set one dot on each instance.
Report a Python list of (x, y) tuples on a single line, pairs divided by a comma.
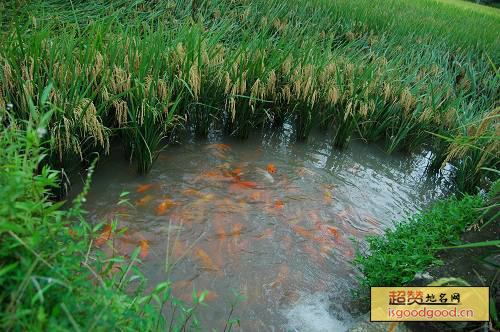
[(266, 217)]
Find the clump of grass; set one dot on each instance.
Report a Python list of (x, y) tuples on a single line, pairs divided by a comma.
[(49, 274), (472, 153), (394, 258)]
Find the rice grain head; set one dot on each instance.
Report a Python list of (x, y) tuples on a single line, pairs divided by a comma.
[(195, 80), (271, 84)]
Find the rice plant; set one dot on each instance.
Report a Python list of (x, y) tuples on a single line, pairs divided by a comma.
[(241, 66)]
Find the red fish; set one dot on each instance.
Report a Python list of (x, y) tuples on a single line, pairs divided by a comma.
[(105, 235), (241, 187), (144, 187), (248, 184), (143, 201), (271, 169)]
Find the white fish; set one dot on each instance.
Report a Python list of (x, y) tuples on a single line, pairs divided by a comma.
[(266, 174)]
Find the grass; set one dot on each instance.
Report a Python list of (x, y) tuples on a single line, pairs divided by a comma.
[(475, 7), (410, 247), (50, 278)]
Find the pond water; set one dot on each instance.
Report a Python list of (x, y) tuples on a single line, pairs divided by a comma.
[(267, 217)]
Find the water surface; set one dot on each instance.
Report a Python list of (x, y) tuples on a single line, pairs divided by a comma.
[(281, 239)]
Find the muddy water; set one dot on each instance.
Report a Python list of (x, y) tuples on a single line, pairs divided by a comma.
[(281, 237)]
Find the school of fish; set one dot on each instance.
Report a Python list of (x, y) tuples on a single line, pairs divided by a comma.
[(249, 188)]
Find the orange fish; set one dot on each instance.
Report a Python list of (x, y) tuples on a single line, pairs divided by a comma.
[(329, 186), (115, 268), (146, 199), (271, 169), (218, 154), (236, 188), (327, 197), (205, 259), (302, 172), (163, 206), (287, 242), (235, 233), (209, 296), (326, 250), (72, 233), (236, 230), (345, 213), (347, 251), (279, 204), (210, 174), (213, 176), (224, 166), (282, 274), (178, 249), (333, 231), (325, 232), (190, 192), (313, 217), (237, 172), (144, 187), (372, 220), (256, 196), (303, 232), (221, 147), (315, 255), (181, 284), (220, 232), (144, 244), (268, 233), (105, 235)]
